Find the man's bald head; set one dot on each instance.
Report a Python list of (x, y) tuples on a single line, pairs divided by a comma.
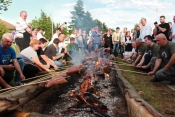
[(161, 40)]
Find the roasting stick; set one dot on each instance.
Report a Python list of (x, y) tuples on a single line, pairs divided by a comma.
[(35, 83), (130, 71), (49, 74), (44, 78)]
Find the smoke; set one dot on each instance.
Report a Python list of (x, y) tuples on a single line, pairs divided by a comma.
[(77, 60)]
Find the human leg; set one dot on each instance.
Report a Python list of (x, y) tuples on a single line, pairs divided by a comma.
[(8, 77), (30, 70), (21, 64)]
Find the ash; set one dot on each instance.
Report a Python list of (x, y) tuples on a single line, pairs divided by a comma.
[(109, 96)]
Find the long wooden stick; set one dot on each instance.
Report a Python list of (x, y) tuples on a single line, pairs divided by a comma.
[(17, 87), (130, 71), (49, 74)]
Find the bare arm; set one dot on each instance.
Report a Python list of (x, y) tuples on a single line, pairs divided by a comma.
[(157, 65), (57, 57), (47, 60), (162, 29), (171, 61), (38, 63), (142, 60), (138, 58), (18, 69)]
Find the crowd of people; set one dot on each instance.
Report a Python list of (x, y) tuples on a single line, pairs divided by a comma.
[(151, 50)]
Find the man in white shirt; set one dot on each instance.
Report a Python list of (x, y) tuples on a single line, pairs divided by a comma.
[(40, 33), (58, 31), (173, 31), (146, 29), (23, 31)]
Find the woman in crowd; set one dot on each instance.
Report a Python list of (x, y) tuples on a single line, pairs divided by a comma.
[(79, 38), (74, 34), (127, 42), (34, 33), (85, 38), (108, 41)]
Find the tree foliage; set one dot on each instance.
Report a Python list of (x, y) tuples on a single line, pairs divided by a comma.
[(3, 30), (4, 4), (84, 20), (44, 22)]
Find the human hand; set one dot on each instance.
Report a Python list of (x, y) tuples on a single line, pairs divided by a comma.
[(48, 70), (166, 68), (151, 73), (156, 25), (144, 67), (139, 66), (62, 54), (22, 77), (55, 68), (2, 71)]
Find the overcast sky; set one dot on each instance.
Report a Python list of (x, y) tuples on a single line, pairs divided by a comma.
[(115, 13)]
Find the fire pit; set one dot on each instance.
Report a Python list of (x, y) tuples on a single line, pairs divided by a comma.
[(89, 94)]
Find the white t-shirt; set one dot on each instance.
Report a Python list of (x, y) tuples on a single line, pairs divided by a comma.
[(133, 50), (146, 30), (29, 53), (54, 36), (173, 32), (39, 36), (60, 46), (21, 25)]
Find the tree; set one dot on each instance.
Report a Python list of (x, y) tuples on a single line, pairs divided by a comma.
[(135, 26), (44, 22), (78, 15), (4, 4), (3, 30)]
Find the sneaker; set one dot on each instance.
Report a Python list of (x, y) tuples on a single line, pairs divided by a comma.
[(18, 83)]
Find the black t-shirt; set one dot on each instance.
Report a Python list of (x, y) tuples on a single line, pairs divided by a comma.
[(39, 53), (108, 41), (51, 51), (167, 27)]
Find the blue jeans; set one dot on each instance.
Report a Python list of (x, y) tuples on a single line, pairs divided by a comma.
[(115, 48), (122, 50), (96, 45), (21, 64), (58, 62)]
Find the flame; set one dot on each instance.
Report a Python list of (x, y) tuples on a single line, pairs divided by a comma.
[(106, 75)]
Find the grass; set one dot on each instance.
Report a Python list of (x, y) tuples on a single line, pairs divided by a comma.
[(156, 94)]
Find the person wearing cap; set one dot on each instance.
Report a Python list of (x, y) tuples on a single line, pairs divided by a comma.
[(58, 31), (40, 33), (96, 36), (23, 31), (152, 50), (72, 48)]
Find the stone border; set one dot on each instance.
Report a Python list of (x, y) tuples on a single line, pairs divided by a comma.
[(136, 106)]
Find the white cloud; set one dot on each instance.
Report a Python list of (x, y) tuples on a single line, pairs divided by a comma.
[(125, 13)]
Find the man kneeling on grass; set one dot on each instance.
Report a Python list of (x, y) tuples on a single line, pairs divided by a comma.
[(139, 52), (32, 63), (151, 52), (7, 54), (164, 66)]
